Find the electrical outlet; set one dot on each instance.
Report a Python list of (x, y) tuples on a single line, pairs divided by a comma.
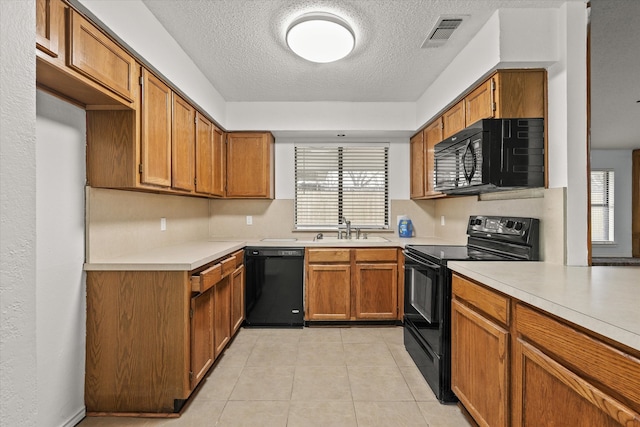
[(163, 224), (441, 219), (249, 220)]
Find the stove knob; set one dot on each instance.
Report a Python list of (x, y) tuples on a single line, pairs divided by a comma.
[(478, 221), (509, 224), (472, 221), (519, 225)]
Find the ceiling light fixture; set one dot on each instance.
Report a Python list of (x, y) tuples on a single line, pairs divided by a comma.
[(320, 37)]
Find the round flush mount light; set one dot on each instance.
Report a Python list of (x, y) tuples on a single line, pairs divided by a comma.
[(320, 37)]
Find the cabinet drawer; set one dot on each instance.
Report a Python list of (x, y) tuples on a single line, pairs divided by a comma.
[(485, 300), (96, 56), (376, 255), (597, 362), (328, 255), (228, 265), (206, 279), (239, 256)]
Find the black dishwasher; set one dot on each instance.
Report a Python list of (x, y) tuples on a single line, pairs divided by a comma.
[(274, 286)]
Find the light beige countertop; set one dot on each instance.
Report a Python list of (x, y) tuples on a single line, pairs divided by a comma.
[(181, 257), (605, 300), (191, 255)]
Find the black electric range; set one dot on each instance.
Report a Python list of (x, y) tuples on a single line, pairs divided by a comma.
[(427, 305)]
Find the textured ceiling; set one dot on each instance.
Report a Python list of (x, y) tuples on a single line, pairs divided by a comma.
[(239, 45)]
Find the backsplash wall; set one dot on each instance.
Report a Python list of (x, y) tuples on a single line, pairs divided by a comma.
[(274, 218), (122, 222)]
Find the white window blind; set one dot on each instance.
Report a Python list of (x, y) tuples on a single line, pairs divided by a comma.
[(602, 206), (336, 182)]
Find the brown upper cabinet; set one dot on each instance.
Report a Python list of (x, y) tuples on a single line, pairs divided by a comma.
[(418, 166), (49, 15), (250, 165), (453, 119), (77, 61), (155, 164), (219, 172), (97, 57), (183, 140), (422, 161), (505, 94)]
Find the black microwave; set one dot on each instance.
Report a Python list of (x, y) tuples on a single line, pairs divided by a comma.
[(491, 155)]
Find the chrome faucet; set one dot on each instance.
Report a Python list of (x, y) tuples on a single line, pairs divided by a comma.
[(348, 224)]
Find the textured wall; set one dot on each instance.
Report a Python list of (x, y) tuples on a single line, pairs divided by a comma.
[(17, 214)]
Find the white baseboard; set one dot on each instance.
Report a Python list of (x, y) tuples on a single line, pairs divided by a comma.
[(79, 416)]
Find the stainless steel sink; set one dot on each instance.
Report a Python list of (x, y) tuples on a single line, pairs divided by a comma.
[(369, 239)]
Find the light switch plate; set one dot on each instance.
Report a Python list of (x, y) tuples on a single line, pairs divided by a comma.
[(442, 220), (249, 220), (163, 224)]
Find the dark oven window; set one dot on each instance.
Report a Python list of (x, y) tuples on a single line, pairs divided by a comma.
[(422, 292)]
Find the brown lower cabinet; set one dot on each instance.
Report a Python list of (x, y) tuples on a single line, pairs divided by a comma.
[(352, 284), (515, 365), (153, 335)]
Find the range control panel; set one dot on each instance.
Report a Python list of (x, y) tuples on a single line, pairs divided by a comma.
[(501, 227)]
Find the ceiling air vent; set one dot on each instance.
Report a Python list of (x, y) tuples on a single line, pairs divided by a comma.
[(442, 31)]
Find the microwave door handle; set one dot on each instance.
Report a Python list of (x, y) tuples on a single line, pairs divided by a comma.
[(468, 175)]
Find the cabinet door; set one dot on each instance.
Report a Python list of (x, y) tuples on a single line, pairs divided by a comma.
[(204, 155), (576, 402), (156, 131), (432, 136), (249, 165), (479, 365), (453, 120), (96, 56), (202, 351), (237, 299), (328, 292), (48, 19), (218, 169), (376, 291), (182, 145), (222, 321), (418, 166), (520, 93), (480, 103)]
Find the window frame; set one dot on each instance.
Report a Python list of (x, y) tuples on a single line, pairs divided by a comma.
[(340, 149), (608, 205)]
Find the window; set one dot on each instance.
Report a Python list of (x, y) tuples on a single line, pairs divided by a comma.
[(602, 206), (336, 182)]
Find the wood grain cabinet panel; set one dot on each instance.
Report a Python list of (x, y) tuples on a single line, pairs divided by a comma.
[(479, 104), (432, 135), (418, 166), (376, 291), (97, 57), (480, 365), (182, 145), (250, 165), (48, 21), (328, 292), (204, 155), (550, 394), (202, 345), (222, 317), (156, 131), (219, 170), (237, 299), (453, 120)]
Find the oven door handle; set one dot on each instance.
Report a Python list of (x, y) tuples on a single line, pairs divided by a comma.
[(423, 262)]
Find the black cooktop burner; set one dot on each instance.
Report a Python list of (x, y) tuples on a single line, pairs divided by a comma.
[(442, 254)]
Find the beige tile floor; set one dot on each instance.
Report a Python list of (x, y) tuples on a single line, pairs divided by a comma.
[(359, 376)]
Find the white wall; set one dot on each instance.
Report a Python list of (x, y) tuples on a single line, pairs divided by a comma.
[(18, 380), (60, 280), (139, 28), (621, 162)]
